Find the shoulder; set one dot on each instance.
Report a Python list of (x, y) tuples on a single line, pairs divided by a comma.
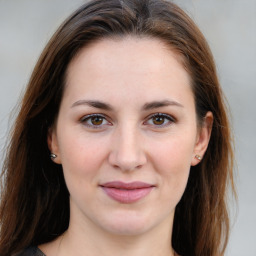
[(30, 251)]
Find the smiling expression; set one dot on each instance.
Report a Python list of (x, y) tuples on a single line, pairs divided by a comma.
[(126, 135)]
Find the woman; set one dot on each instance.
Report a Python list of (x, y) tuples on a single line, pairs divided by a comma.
[(122, 145)]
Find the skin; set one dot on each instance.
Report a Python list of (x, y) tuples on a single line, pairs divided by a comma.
[(126, 144)]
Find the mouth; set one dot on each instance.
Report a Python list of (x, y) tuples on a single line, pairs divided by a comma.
[(127, 192)]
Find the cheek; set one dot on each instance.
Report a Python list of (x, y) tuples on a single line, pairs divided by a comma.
[(172, 161), (82, 159), (175, 152), (81, 155)]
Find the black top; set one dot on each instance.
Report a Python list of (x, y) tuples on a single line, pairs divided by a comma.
[(31, 251)]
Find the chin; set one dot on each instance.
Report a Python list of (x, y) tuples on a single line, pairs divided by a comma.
[(126, 229), (130, 224)]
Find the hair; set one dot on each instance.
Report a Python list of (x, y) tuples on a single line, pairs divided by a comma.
[(34, 198)]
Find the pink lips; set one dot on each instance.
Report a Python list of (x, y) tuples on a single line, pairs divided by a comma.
[(127, 192)]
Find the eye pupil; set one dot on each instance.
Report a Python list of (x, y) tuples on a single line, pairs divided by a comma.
[(97, 120), (158, 120)]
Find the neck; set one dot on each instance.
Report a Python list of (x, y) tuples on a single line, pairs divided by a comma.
[(89, 240)]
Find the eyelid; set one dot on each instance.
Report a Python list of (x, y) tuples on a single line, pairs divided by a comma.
[(167, 116), (92, 115), (87, 117)]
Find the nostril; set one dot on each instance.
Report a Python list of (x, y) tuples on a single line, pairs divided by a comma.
[(127, 168), (127, 157)]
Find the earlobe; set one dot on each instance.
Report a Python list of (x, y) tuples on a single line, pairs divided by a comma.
[(203, 139), (53, 146)]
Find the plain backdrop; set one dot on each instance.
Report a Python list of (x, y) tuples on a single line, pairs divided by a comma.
[(230, 28)]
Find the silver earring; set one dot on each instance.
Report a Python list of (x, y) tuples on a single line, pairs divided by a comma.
[(53, 156), (198, 157)]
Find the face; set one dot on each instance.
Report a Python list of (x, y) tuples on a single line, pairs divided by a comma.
[(126, 135)]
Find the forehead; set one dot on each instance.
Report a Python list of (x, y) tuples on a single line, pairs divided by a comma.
[(128, 50), (146, 65)]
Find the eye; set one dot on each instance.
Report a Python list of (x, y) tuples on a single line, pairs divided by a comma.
[(160, 120), (95, 121)]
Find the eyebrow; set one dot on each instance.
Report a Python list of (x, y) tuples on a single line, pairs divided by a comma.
[(146, 106), (93, 103), (159, 104)]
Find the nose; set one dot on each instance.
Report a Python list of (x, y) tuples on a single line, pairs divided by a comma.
[(127, 152)]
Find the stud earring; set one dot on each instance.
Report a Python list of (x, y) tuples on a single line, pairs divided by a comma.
[(198, 157), (53, 156)]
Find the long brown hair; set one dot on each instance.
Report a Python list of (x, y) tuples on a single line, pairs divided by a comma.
[(34, 199)]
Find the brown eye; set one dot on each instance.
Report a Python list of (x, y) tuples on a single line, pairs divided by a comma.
[(158, 120), (97, 120)]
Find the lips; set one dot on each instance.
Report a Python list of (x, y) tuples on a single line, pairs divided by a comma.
[(127, 192)]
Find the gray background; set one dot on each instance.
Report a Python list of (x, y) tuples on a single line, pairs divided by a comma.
[(230, 28)]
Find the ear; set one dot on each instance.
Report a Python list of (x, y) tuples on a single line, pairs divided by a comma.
[(203, 139), (53, 146)]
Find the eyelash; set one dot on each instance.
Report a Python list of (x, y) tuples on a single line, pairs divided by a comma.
[(84, 120), (167, 117)]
